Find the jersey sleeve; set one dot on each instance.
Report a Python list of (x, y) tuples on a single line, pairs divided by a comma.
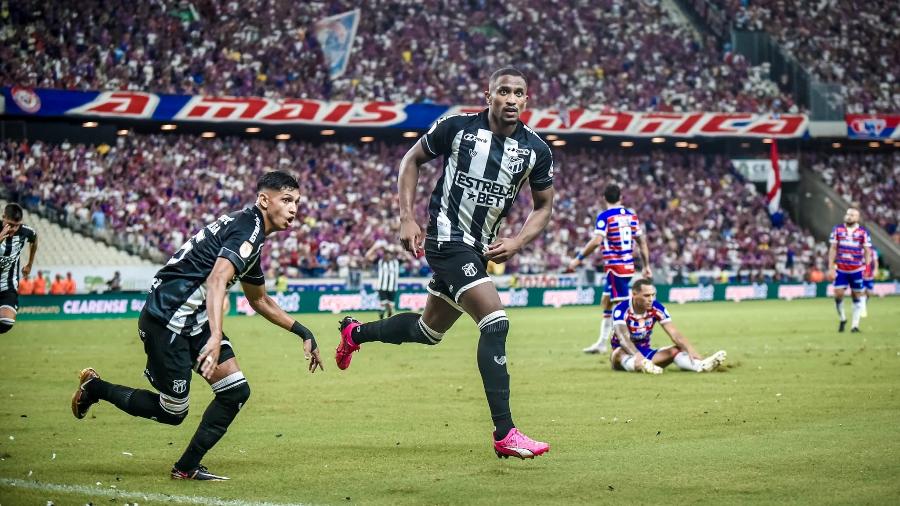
[(619, 313), (832, 238), (439, 137), (541, 176), (600, 226), (663, 312), (867, 239), (255, 275), (242, 238), (30, 234)]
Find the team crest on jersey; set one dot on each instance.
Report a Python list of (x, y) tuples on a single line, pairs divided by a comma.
[(179, 386), (515, 165), (469, 269), (246, 249)]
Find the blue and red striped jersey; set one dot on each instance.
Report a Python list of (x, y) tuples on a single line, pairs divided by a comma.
[(851, 244), (640, 326), (618, 226)]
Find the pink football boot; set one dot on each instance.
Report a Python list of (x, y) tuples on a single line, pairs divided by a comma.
[(519, 445), (344, 352)]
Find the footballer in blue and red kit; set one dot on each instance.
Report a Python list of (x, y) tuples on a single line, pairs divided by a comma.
[(619, 227), (640, 325), (633, 321), (615, 231), (850, 251)]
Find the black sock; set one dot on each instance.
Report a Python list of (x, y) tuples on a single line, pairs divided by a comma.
[(398, 329), (381, 315), (216, 419), (134, 401), (492, 365)]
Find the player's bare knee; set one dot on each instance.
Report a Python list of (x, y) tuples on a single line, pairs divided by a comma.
[(6, 324)]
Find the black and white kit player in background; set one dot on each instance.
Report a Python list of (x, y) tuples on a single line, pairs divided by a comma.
[(13, 236), (387, 266), (181, 324), (488, 157)]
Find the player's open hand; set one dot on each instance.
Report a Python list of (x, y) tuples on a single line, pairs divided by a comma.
[(208, 359), (411, 237), (502, 250), (6, 232), (573, 264), (312, 355)]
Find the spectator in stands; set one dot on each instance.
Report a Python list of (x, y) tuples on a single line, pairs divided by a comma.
[(40, 284), (58, 287), (26, 285), (70, 285)]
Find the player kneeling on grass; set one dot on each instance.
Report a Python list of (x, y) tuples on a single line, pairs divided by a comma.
[(181, 325), (633, 322)]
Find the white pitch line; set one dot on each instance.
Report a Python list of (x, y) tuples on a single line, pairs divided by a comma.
[(138, 496)]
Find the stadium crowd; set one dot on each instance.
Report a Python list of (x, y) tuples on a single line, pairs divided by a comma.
[(606, 54), (850, 43), (872, 183), (153, 191)]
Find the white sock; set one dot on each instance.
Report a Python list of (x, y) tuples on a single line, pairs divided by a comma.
[(686, 363), (605, 331), (863, 299), (628, 363), (839, 304), (857, 311)]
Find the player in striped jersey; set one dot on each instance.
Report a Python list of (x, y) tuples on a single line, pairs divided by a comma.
[(488, 157), (388, 270), (617, 228), (634, 319), (181, 325), (13, 236), (848, 255)]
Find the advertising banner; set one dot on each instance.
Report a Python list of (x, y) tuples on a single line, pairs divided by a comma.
[(129, 304), (149, 106), (873, 126)]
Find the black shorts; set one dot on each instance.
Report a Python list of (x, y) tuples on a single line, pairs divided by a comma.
[(386, 295), (171, 357), (10, 298), (457, 267)]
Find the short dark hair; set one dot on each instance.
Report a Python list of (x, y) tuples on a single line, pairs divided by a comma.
[(612, 193), (637, 285), (277, 180), (506, 71), (13, 212)]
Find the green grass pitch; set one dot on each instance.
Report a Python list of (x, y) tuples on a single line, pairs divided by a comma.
[(801, 415)]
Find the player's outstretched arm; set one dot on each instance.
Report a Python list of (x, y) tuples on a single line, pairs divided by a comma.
[(410, 232), (585, 252), (263, 304), (682, 342), (505, 248)]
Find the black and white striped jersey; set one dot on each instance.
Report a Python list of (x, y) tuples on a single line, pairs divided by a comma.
[(482, 176), (177, 296), (10, 255), (388, 274)]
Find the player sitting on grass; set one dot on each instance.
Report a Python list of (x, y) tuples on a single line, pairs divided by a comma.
[(633, 322)]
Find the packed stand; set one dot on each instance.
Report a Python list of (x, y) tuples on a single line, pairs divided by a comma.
[(607, 54), (854, 44), (154, 191), (869, 180)]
